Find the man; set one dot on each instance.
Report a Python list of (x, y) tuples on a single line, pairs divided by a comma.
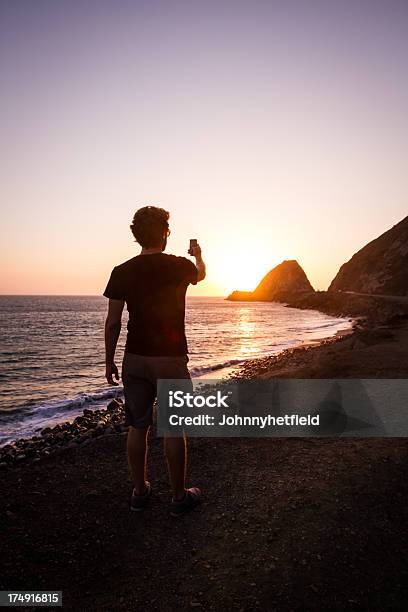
[(153, 285)]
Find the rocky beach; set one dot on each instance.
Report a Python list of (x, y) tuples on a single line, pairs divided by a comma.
[(283, 525), (70, 434)]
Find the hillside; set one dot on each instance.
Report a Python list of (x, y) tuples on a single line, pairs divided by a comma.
[(381, 267)]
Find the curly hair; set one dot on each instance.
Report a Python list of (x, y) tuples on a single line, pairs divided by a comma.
[(149, 225)]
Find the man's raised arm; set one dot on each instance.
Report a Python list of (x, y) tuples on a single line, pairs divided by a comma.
[(200, 265)]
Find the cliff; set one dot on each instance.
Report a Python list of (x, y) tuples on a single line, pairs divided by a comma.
[(381, 267)]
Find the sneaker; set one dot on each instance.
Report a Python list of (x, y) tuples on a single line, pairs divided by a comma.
[(191, 499), (139, 502)]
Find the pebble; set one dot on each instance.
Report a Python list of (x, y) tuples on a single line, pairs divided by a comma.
[(81, 431)]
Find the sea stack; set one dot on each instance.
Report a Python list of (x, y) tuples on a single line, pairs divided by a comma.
[(285, 281), (381, 267)]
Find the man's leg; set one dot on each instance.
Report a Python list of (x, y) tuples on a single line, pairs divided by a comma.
[(137, 454), (176, 455)]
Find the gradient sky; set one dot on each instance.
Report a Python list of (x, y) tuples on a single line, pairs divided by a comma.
[(270, 131)]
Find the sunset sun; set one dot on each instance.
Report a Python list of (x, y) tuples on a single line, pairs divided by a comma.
[(242, 270)]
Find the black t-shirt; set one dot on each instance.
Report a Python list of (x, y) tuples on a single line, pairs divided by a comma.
[(154, 289)]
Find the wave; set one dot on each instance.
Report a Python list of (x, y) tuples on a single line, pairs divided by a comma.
[(200, 370), (66, 405), (314, 328)]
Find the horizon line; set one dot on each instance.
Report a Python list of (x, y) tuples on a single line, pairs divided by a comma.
[(81, 295)]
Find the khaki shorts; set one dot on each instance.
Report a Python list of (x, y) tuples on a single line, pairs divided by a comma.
[(139, 376)]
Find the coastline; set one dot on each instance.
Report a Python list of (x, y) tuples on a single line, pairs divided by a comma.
[(24, 424), (283, 522), (308, 359)]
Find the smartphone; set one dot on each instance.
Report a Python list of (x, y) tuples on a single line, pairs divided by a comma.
[(193, 243)]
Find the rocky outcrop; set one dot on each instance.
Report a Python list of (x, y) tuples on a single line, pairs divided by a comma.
[(288, 277), (286, 280), (381, 267)]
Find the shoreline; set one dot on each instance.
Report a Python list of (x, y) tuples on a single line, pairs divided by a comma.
[(98, 407), (104, 421), (369, 351)]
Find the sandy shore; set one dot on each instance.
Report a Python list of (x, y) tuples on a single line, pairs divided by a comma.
[(288, 524)]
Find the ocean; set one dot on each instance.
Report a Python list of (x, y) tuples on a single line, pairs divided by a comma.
[(52, 350)]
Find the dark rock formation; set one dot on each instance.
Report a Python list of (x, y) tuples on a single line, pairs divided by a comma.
[(285, 280), (381, 267), (288, 277)]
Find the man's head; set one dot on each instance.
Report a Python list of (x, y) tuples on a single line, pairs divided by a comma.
[(150, 227)]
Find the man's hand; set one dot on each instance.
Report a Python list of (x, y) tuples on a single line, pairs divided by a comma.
[(112, 371), (196, 251)]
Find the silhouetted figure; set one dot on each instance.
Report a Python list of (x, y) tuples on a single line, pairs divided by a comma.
[(153, 285)]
